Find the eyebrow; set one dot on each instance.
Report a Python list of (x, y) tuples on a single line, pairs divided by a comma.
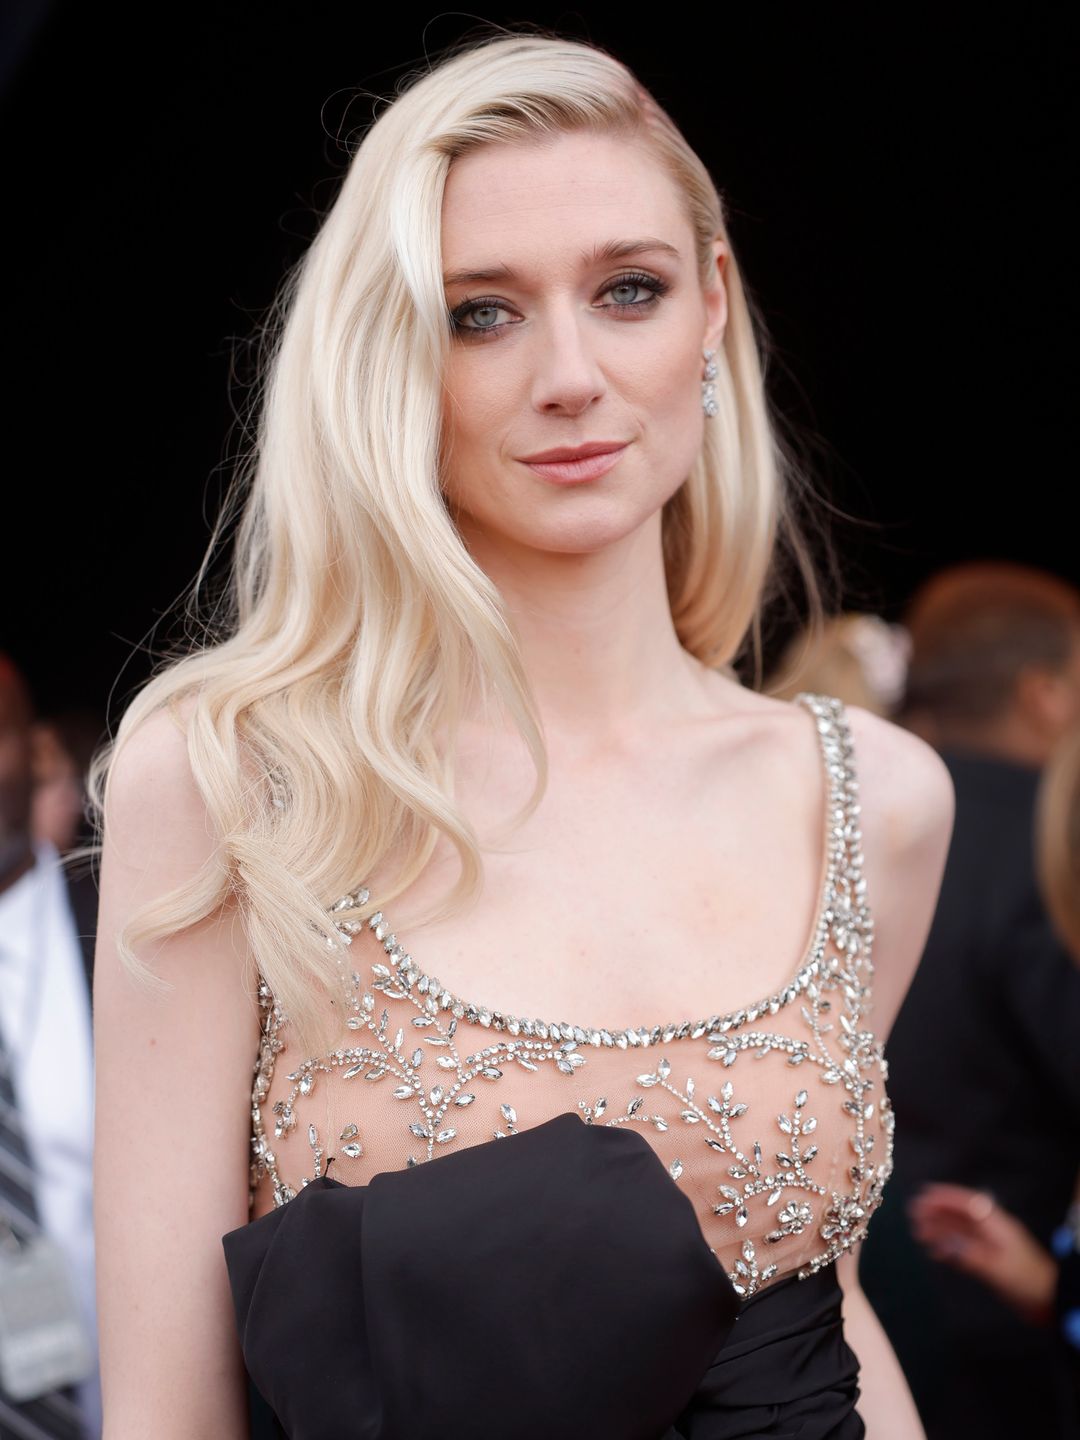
[(611, 250)]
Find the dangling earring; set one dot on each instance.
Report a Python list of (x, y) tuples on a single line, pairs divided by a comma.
[(708, 389)]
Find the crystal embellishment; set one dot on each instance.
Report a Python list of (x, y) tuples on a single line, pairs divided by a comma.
[(776, 1186)]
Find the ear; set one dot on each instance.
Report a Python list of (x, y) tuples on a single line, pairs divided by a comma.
[(715, 296)]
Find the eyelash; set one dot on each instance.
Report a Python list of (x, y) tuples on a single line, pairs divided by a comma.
[(646, 282)]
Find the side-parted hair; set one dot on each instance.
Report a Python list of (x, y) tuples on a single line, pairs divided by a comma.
[(357, 624)]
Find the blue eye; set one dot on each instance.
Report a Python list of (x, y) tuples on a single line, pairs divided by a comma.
[(626, 285), (489, 305), (476, 307)]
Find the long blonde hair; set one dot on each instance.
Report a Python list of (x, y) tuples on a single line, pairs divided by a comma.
[(356, 623)]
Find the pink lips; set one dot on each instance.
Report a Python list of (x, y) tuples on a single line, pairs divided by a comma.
[(588, 462)]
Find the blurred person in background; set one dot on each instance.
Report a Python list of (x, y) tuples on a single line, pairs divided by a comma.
[(65, 743), (984, 1064), (48, 1356), (860, 657), (966, 1227)]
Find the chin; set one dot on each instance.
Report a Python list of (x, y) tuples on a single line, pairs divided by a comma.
[(584, 533)]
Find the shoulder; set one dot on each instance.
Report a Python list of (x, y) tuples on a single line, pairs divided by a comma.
[(153, 751), (907, 807), (906, 811), (905, 789), (904, 785), (155, 812), (168, 907)]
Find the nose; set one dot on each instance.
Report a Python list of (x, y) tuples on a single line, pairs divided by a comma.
[(566, 375)]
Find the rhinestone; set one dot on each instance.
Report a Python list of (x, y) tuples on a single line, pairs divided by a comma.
[(839, 959)]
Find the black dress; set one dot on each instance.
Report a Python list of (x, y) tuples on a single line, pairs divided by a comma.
[(602, 1277)]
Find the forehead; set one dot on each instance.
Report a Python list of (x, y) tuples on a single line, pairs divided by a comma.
[(531, 196)]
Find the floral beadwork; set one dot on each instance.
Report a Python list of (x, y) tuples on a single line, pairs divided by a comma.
[(770, 1179)]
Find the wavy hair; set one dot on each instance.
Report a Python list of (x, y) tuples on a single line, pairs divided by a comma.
[(356, 625)]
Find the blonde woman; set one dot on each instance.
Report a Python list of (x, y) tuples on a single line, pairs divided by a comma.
[(471, 738)]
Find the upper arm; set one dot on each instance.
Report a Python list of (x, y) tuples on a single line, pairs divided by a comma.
[(908, 805), (172, 1111)]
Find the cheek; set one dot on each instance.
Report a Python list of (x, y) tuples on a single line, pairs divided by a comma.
[(671, 409), (475, 410), (475, 415), (680, 387), (663, 378)]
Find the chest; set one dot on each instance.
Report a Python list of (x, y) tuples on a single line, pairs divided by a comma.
[(763, 1116), (636, 892)]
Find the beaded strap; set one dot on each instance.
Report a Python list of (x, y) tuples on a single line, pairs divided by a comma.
[(840, 909)]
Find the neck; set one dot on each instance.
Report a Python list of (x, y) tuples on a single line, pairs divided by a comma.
[(597, 639)]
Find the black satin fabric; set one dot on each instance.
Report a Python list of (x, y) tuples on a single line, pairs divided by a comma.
[(785, 1370), (551, 1282)]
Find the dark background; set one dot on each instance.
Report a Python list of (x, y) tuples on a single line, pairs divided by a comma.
[(897, 182)]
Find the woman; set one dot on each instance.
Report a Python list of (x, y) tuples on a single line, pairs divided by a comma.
[(459, 655)]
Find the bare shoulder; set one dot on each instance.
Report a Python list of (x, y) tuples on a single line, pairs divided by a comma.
[(154, 754), (174, 1060), (164, 863), (907, 809), (904, 784), (156, 817)]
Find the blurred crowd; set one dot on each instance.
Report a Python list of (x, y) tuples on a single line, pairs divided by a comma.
[(972, 1260)]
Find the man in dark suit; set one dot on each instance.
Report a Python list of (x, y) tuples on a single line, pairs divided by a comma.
[(984, 1057)]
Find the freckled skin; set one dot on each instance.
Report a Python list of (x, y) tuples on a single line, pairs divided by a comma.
[(570, 369)]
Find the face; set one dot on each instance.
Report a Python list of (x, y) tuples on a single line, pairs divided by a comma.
[(566, 346)]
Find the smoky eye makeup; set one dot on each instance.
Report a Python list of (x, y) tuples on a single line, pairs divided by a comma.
[(459, 317)]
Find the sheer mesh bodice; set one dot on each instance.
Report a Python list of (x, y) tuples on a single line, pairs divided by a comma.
[(772, 1119)]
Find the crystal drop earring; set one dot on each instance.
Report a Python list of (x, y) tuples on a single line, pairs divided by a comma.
[(708, 389)]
